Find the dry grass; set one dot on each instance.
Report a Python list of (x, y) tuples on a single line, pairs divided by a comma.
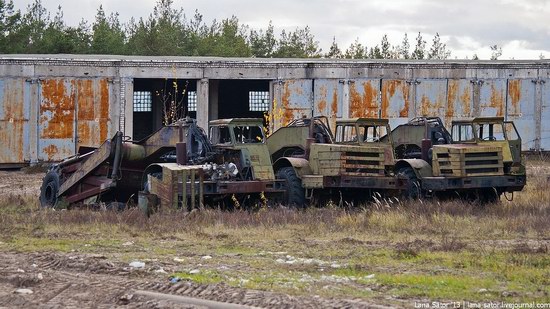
[(419, 250), (450, 224)]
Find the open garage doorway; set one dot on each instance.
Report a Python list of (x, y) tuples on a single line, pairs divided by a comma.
[(161, 101), (242, 98)]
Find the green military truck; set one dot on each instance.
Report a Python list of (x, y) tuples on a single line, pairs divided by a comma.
[(354, 163), (479, 159)]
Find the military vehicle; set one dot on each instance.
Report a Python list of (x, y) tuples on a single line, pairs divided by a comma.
[(354, 163), (177, 166), (480, 159)]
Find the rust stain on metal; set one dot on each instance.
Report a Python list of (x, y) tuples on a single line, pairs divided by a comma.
[(466, 101), (334, 105), (86, 113), (13, 123), (514, 91), (365, 105), (389, 89), (57, 109), (452, 97), (322, 105), (497, 101), (384, 107), (429, 108), (287, 112), (103, 109), (404, 112), (93, 111), (51, 151), (425, 106)]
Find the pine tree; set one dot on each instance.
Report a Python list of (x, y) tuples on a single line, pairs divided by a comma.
[(298, 44), (10, 21), (263, 44), (334, 51), (375, 53), (403, 50), (385, 48), (356, 51), (438, 49), (420, 48), (108, 36)]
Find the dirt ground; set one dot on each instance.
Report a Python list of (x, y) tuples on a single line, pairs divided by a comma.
[(497, 253), (14, 182), (59, 280), (92, 281)]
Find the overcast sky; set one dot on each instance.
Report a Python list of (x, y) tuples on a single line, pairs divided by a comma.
[(468, 27)]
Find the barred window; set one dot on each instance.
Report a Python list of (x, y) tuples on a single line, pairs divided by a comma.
[(191, 101), (258, 101), (142, 101)]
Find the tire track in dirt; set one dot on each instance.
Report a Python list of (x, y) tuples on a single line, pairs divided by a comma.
[(93, 281)]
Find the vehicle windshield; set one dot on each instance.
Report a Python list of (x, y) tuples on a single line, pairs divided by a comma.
[(221, 135), (248, 134), (346, 134), (463, 133), (372, 133), (365, 134), (490, 131)]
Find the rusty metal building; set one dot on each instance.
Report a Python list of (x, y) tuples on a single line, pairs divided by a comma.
[(52, 104)]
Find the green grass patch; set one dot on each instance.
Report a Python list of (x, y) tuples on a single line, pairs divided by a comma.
[(443, 287), (203, 277)]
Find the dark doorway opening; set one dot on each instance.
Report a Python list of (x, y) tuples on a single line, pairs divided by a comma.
[(159, 101), (243, 98)]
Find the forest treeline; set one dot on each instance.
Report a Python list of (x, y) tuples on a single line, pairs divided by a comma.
[(168, 31)]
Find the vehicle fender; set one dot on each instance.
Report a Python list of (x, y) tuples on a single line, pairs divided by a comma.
[(421, 168), (300, 165)]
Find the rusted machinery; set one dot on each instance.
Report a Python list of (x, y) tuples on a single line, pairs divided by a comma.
[(480, 159), (355, 162), (177, 166), (180, 166)]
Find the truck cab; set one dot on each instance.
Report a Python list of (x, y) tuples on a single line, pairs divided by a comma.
[(356, 162), (242, 140)]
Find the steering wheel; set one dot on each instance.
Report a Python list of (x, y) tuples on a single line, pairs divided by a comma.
[(489, 138)]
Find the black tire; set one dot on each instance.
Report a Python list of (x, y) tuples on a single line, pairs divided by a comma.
[(488, 196), (295, 193), (414, 188), (49, 189)]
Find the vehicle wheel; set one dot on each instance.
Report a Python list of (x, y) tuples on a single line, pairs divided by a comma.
[(488, 196), (49, 189), (295, 193), (414, 188)]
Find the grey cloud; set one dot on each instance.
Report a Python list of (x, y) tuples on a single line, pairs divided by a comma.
[(485, 21)]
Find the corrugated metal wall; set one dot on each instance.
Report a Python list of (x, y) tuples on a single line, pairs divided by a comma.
[(400, 100), (50, 107), (69, 113), (544, 136), (14, 120), (73, 113)]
